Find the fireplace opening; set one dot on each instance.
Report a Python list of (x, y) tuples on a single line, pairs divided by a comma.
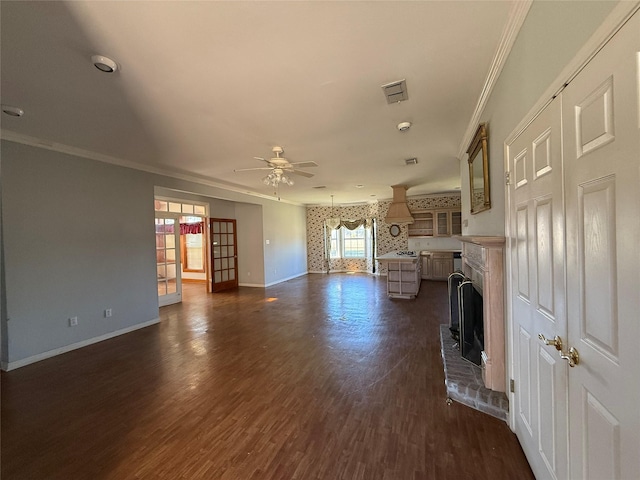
[(470, 322)]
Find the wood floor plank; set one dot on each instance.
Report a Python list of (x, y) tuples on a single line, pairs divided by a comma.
[(320, 377)]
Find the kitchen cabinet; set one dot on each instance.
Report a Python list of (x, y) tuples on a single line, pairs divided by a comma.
[(422, 225), (436, 223), (437, 265)]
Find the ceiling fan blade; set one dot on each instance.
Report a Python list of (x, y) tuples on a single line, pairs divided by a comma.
[(299, 172), (249, 169), (304, 164)]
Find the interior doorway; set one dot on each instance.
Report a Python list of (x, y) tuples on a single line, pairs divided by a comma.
[(182, 253)]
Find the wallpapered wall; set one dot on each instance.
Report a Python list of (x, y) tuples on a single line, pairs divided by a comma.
[(385, 242)]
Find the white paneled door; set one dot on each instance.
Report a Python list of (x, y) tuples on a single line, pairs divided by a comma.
[(574, 223), (538, 292), (602, 177)]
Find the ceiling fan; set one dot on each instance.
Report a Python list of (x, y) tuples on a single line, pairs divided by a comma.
[(280, 167)]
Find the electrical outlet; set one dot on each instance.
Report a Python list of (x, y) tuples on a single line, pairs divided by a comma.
[(107, 313), (73, 321)]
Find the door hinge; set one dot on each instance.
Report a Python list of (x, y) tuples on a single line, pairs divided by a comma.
[(512, 385), (507, 178)]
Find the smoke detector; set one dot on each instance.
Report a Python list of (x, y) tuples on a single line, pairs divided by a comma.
[(404, 126), (12, 111), (104, 64)]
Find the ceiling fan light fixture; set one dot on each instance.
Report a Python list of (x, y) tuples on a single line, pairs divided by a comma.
[(286, 180)]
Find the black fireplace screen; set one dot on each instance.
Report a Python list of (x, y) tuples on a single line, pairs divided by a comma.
[(471, 324), (455, 279)]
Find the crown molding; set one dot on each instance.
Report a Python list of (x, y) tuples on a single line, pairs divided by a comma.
[(15, 137), (517, 15)]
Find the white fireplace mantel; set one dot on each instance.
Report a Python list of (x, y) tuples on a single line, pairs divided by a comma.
[(482, 262)]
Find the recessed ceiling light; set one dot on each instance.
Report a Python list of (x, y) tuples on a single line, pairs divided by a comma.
[(12, 111), (359, 186), (104, 64)]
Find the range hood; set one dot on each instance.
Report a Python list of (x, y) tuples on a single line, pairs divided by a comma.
[(398, 210)]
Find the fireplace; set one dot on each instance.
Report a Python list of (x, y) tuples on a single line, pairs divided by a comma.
[(482, 264)]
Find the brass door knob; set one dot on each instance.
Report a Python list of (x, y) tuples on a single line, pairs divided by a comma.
[(572, 357), (556, 342)]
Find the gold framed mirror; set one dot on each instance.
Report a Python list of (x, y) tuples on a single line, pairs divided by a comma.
[(478, 151)]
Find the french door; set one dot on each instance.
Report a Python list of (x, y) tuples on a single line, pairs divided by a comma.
[(224, 254), (168, 267), (574, 224)]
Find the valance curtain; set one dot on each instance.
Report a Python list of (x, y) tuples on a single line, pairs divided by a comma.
[(192, 228), (336, 223)]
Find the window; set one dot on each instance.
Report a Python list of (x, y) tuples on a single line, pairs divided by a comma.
[(347, 243), (192, 247)]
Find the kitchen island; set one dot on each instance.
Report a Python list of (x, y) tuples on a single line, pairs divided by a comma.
[(403, 273)]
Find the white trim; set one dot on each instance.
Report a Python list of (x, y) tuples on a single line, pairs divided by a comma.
[(11, 136), (517, 15), (286, 279), (348, 271), (258, 285), (74, 346)]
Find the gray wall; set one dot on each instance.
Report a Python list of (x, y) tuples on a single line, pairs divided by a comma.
[(285, 255), (250, 244), (78, 238), (551, 36)]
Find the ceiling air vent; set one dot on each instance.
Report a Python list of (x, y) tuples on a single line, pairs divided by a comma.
[(411, 161), (396, 91)]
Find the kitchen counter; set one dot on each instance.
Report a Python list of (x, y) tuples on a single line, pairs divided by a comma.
[(398, 257), (427, 252)]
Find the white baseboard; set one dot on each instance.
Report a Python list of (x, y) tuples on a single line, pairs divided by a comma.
[(345, 271), (261, 285), (74, 346), (285, 279)]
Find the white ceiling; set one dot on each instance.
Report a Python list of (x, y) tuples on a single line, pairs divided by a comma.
[(202, 87)]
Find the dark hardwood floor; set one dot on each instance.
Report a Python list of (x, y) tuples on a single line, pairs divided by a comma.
[(321, 377)]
